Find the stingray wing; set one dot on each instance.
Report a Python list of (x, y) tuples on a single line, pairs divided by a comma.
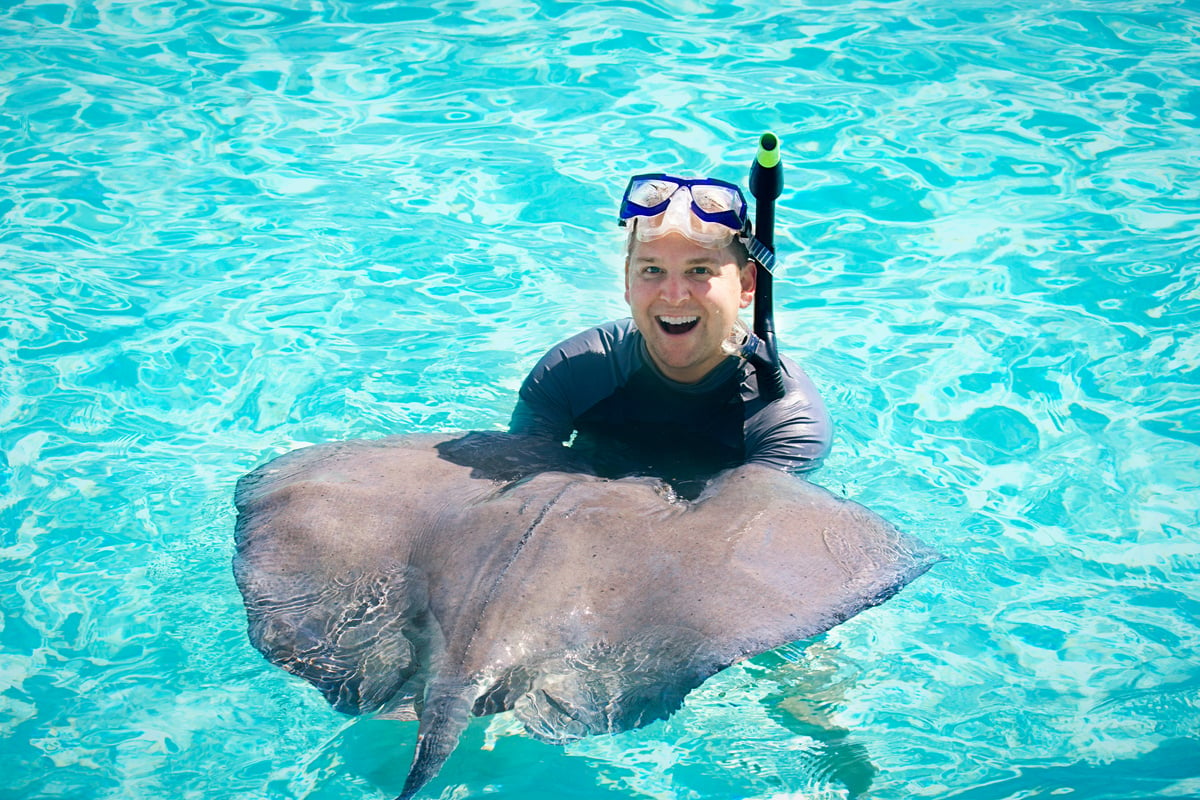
[(795, 560), (325, 539), (624, 599)]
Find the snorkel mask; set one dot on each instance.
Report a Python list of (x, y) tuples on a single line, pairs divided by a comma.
[(705, 210)]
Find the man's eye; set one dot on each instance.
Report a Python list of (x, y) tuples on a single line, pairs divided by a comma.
[(702, 271)]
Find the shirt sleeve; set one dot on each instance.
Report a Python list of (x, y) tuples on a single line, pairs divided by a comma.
[(569, 379), (793, 433), (543, 407)]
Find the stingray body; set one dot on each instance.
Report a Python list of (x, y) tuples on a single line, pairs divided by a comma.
[(439, 577)]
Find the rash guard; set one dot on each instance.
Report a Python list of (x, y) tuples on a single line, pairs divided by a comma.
[(627, 418)]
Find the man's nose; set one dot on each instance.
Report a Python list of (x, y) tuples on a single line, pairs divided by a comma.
[(675, 289)]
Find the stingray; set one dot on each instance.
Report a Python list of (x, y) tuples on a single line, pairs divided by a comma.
[(439, 577)]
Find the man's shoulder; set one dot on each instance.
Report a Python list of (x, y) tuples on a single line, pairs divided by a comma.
[(618, 337), (799, 393), (794, 432), (579, 372), (611, 334)]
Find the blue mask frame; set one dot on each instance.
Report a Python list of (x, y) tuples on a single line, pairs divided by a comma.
[(736, 219)]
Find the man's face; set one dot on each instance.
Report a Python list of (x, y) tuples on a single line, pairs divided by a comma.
[(685, 299)]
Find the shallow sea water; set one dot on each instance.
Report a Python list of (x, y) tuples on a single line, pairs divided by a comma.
[(227, 230)]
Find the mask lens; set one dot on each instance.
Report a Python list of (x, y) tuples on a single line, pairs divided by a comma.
[(715, 198), (650, 193)]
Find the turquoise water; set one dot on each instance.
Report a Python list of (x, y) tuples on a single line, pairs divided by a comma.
[(228, 230)]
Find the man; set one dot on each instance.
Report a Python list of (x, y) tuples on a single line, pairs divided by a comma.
[(666, 393)]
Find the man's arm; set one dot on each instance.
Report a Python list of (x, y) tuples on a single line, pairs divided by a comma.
[(572, 377), (793, 433)]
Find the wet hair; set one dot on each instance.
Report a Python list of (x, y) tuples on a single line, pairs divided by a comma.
[(740, 252)]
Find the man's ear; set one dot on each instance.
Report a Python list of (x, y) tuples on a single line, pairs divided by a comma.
[(749, 282), (626, 280)]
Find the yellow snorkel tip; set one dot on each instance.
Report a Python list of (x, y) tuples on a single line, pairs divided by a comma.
[(766, 179), (768, 151)]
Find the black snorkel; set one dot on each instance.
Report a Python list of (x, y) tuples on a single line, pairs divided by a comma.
[(766, 184)]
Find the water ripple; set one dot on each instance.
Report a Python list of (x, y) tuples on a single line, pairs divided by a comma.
[(231, 228)]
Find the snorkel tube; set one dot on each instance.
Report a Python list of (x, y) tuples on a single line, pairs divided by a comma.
[(766, 184)]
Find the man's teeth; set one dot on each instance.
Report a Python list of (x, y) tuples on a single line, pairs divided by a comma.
[(678, 320)]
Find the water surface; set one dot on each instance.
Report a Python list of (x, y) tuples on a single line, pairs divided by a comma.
[(228, 230)]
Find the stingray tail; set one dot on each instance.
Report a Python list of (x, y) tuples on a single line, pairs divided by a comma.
[(443, 719)]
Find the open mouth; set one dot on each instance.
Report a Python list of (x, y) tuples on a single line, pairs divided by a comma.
[(677, 325)]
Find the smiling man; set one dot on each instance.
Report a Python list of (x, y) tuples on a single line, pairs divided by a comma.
[(666, 393)]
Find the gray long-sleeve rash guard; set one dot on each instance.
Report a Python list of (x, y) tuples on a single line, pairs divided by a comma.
[(629, 419)]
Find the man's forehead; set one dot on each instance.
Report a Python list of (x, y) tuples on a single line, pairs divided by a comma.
[(700, 256), (697, 259)]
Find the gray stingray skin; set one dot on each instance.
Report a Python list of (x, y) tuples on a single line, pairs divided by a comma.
[(437, 577)]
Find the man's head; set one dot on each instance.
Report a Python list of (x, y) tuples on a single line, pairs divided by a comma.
[(687, 270)]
